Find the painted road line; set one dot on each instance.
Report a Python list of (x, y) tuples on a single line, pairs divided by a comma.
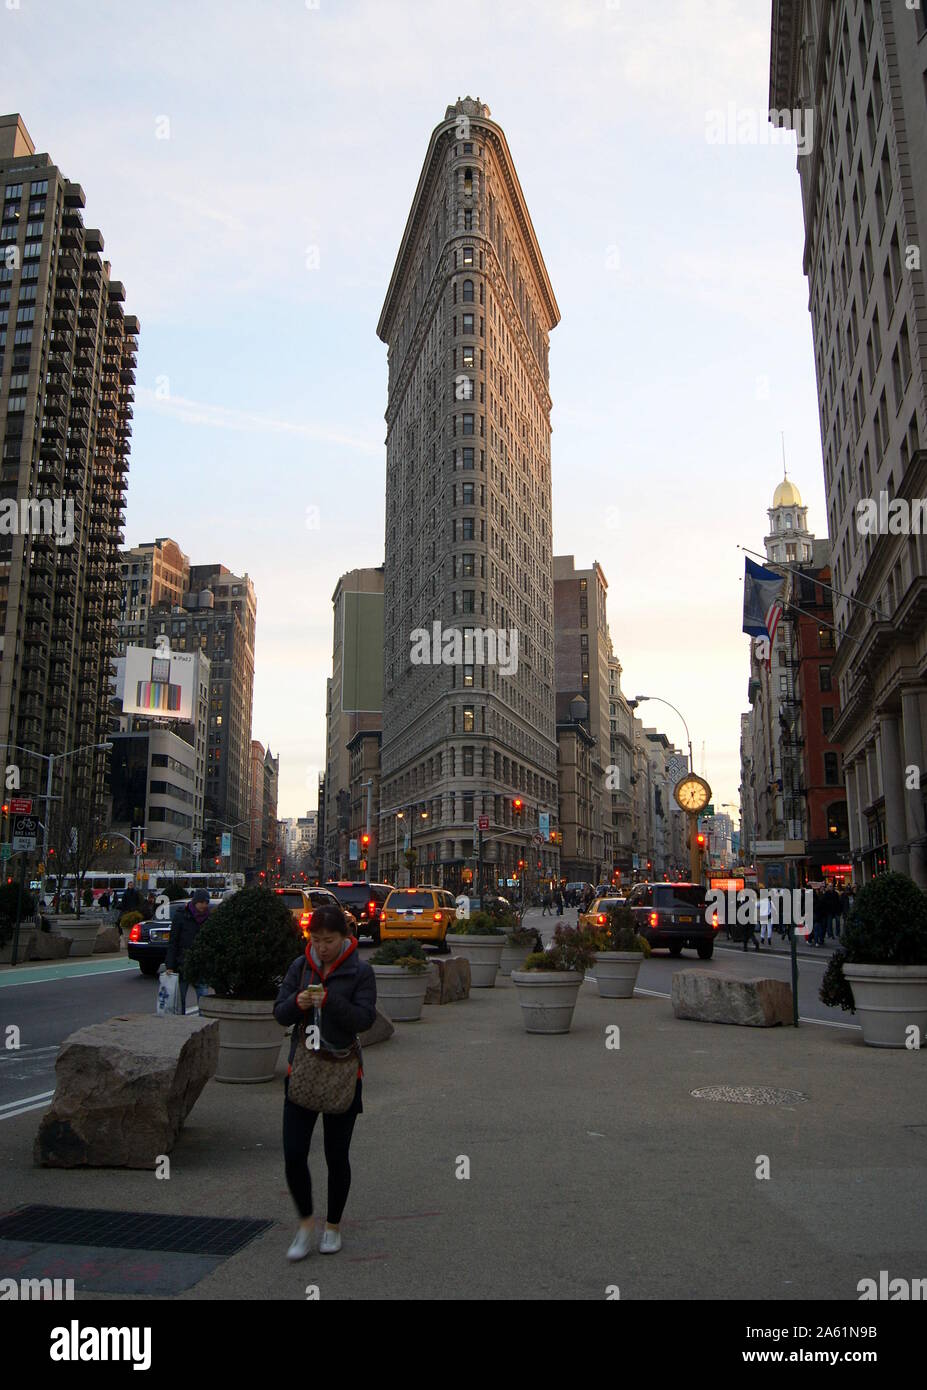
[(63, 972), (824, 1022), (25, 1100), (25, 1109), (24, 1053)]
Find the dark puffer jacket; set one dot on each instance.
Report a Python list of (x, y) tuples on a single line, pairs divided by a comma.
[(349, 1003), (184, 930)]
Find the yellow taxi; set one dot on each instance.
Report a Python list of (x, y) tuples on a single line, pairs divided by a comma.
[(302, 902), (424, 913), (597, 916)]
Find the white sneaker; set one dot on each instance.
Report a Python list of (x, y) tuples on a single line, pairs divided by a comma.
[(330, 1242), (302, 1244)]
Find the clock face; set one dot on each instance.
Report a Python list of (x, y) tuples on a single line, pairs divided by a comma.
[(692, 793)]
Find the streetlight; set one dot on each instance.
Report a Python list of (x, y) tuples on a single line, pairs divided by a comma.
[(639, 699)]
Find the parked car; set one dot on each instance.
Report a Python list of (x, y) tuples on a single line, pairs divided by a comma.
[(495, 905), (573, 893), (672, 915), (364, 900), (426, 913), (302, 902), (148, 941)]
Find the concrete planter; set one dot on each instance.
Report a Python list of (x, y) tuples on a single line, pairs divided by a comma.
[(616, 973), (513, 957), (484, 954), (249, 1037), (547, 998), (889, 999), (401, 992), (81, 930)]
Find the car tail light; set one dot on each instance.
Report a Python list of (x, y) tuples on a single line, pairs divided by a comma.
[(714, 920), (654, 918), (436, 916), (371, 909), (305, 921), (600, 920), (136, 933)]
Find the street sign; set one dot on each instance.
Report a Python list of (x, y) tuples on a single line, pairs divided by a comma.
[(25, 832), (21, 806), (352, 851), (5, 850), (178, 851), (483, 823), (544, 824), (537, 839), (226, 844)]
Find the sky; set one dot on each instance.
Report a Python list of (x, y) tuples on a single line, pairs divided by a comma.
[(252, 166)]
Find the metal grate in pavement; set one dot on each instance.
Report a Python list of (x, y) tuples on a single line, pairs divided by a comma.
[(130, 1230), (749, 1095)]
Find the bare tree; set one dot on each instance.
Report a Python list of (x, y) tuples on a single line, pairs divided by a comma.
[(76, 834)]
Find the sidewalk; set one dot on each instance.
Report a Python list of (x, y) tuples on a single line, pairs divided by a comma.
[(589, 1167)]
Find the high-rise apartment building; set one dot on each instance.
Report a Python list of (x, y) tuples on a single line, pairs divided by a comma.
[(467, 319), (217, 615), (155, 572), (67, 368), (354, 705), (861, 67), (581, 653)]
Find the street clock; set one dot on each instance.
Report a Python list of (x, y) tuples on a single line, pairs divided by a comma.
[(693, 793)]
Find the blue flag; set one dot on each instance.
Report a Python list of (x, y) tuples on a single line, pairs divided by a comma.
[(762, 600)]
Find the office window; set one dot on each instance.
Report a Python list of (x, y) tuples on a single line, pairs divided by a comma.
[(468, 719), (467, 356), (467, 424), (831, 769), (467, 490), (467, 323), (827, 719), (467, 458), (824, 677), (468, 255), (468, 762), (467, 292)]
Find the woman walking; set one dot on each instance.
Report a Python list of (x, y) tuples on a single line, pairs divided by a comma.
[(331, 979)]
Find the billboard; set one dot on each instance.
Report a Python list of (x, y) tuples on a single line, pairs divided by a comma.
[(158, 684)]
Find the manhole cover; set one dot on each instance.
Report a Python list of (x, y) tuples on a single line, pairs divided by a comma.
[(749, 1095)]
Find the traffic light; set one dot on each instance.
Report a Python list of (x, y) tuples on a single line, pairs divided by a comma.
[(517, 806), (6, 808), (365, 841), (700, 840)]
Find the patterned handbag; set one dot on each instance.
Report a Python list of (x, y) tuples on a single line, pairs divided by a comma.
[(323, 1079)]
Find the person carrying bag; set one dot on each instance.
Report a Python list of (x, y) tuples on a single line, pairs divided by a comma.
[(329, 996)]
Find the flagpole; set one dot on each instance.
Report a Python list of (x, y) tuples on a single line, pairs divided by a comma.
[(793, 569)]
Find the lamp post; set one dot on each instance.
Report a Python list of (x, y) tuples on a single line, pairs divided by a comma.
[(210, 820), (639, 700)]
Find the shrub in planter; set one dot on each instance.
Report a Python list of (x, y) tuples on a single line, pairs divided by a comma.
[(570, 949), (244, 948), (408, 954), (128, 920), (887, 926), (480, 924), (620, 933)]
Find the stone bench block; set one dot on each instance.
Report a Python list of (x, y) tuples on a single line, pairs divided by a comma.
[(448, 980), (108, 940), (124, 1089), (41, 945), (756, 1002)]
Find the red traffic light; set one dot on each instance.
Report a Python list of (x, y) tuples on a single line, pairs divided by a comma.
[(517, 805), (700, 840), (6, 808), (365, 840)]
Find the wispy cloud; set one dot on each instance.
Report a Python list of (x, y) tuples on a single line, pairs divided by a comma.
[(223, 417)]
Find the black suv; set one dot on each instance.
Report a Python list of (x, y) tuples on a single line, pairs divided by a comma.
[(365, 900), (673, 915)]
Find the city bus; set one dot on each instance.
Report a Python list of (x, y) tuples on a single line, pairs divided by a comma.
[(98, 883)]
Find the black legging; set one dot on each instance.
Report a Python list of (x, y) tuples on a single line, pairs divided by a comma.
[(337, 1130)]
